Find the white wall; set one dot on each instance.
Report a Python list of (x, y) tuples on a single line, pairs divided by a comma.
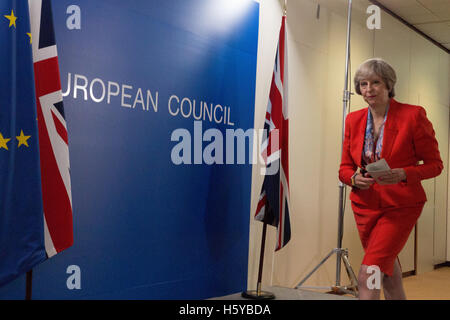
[(316, 49)]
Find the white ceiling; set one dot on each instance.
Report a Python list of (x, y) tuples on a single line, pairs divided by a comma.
[(432, 17)]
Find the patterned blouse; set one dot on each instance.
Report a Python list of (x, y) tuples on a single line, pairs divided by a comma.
[(372, 149)]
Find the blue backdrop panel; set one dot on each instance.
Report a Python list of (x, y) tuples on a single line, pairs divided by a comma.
[(144, 227)]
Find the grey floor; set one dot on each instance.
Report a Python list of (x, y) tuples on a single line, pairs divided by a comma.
[(291, 294)]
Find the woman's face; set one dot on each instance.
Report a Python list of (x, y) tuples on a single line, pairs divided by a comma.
[(374, 91)]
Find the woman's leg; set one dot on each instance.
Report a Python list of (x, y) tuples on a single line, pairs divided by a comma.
[(393, 286), (368, 291)]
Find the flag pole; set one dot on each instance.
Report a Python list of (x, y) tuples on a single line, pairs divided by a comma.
[(258, 293), (29, 285)]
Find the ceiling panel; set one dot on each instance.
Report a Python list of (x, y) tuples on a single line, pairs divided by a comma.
[(432, 17), (433, 3), (403, 6), (423, 17), (438, 31), (397, 3), (443, 12)]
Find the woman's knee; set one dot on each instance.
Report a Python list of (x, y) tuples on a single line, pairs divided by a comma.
[(391, 281), (370, 277)]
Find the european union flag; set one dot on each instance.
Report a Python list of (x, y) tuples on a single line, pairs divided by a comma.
[(21, 213)]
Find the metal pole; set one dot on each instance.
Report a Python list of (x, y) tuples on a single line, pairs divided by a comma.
[(342, 254), (29, 285), (258, 293), (261, 259), (346, 100)]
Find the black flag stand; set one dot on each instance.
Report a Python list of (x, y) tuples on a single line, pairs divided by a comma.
[(258, 293), (29, 285)]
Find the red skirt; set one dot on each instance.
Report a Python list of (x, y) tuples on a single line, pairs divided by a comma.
[(384, 232)]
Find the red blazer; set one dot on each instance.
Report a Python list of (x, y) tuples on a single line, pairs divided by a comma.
[(408, 138)]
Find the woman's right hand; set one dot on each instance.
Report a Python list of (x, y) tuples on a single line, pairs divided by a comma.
[(363, 182)]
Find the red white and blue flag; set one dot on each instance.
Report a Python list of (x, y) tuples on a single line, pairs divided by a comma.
[(53, 139), (35, 196), (273, 204)]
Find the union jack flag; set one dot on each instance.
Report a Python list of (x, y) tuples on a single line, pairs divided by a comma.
[(273, 204), (53, 139)]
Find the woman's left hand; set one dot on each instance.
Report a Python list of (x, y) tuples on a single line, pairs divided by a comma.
[(392, 177)]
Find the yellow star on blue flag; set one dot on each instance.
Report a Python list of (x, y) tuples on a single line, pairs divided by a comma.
[(3, 142), (22, 245), (12, 19), (22, 139)]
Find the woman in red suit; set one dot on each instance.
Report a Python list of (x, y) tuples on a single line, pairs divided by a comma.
[(387, 208)]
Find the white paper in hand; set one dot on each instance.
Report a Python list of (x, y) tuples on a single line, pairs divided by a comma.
[(376, 169)]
